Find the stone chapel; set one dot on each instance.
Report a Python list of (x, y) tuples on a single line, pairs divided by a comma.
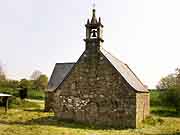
[(98, 89)]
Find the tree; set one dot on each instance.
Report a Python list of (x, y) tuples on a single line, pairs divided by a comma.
[(24, 83), (167, 82), (35, 75), (41, 82), (177, 77), (2, 74), (170, 97), (170, 81), (12, 84)]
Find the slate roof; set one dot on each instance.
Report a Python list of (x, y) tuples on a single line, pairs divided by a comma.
[(125, 71), (59, 73), (61, 70)]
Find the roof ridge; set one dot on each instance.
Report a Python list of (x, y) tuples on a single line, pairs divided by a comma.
[(51, 85), (125, 71), (113, 55), (70, 71), (134, 74)]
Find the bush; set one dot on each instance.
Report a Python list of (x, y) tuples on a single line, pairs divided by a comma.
[(10, 91), (154, 98), (35, 94), (31, 93), (15, 102), (170, 97), (9, 84), (164, 111), (153, 120)]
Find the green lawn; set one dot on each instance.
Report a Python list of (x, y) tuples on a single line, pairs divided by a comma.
[(31, 120)]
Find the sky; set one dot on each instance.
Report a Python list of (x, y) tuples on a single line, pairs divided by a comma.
[(36, 34)]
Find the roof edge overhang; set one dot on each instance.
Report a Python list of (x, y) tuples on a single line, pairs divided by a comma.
[(53, 89), (69, 72), (135, 89)]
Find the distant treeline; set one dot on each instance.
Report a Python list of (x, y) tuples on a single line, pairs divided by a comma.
[(35, 88), (166, 98)]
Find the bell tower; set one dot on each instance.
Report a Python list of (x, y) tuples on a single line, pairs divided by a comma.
[(94, 31)]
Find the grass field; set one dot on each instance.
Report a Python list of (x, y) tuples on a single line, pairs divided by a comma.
[(31, 120)]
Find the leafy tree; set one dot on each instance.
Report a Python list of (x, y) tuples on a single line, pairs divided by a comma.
[(41, 82), (24, 83), (167, 82), (2, 74), (35, 75), (170, 81), (171, 85), (171, 97), (12, 84), (178, 78)]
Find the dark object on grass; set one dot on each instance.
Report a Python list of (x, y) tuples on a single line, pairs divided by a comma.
[(4, 100), (23, 93)]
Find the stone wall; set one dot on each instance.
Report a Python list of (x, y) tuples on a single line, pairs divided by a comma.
[(95, 93), (49, 96)]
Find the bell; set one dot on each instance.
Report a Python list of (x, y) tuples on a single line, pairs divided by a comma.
[(94, 33)]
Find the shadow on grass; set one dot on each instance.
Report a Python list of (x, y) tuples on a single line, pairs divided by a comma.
[(165, 111), (53, 121), (34, 110)]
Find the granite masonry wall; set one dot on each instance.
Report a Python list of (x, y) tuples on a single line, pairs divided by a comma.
[(95, 93), (49, 96)]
